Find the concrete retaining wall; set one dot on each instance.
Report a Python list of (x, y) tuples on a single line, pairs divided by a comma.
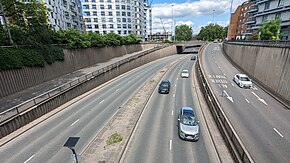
[(270, 66), (47, 105), (13, 81)]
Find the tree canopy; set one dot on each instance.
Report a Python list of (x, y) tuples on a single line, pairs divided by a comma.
[(183, 33), (212, 32), (270, 30)]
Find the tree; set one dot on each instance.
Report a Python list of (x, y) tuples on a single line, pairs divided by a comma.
[(212, 32), (183, 33), (270, 30)]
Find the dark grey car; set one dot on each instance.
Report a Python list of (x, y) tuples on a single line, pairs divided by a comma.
[(164, 86), (188, 125)]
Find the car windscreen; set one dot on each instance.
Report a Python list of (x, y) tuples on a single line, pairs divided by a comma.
[(164, 84), (188, 120), (244, 79)]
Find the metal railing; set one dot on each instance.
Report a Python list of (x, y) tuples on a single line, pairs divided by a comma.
[(261, 43)]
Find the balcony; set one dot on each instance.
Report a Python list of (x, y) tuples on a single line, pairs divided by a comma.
[(251, 22), (262, 1), (253, 10)]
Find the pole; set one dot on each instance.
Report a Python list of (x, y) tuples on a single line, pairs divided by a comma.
[(6, 23), (230, 20), (74, 152), (172, 25)]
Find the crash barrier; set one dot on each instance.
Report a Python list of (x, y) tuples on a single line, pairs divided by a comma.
[(232, 140), (30, 110)]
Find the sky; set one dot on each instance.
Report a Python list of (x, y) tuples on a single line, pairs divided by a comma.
[(194, 13)]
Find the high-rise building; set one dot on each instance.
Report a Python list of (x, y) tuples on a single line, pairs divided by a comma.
[(116, 16), (65, 14)]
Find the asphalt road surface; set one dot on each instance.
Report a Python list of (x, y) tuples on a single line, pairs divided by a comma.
[(84, 119), (156, 138), (261, 122)]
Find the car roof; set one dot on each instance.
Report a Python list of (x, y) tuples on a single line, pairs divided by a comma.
[(242, 75), (165, 81), (184, 70)]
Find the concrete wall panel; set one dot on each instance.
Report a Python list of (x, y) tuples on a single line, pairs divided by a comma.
[(270, 66)]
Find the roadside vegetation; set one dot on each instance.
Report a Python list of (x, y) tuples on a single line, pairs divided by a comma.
[(26, 38)]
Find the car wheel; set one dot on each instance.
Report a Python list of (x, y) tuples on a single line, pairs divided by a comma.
[(241, 85)]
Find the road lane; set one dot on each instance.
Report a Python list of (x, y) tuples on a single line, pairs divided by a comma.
[(45, 141), (253, 113), (156, 138)]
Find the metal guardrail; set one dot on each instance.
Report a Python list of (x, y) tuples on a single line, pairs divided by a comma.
[(260, 43), (16, 110), (233, 142)]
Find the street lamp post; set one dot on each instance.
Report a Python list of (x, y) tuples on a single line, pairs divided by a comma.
[(71, 143), (230, 20), (172, 25)]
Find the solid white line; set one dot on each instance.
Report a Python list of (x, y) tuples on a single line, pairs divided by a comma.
[(102, 101), (75, 122), (173, 95), (278, 132), (232, 84), (172, 112), (117, 90), (247, 100), (29, 159), (170, 144)]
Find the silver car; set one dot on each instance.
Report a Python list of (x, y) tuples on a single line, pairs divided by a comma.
[(184, 74), (188, 125)]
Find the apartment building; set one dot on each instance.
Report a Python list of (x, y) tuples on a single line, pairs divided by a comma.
[(65, 14), (265, 10), (116, 16), (238, 22)]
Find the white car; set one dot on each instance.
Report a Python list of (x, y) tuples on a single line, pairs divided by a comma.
[(184, 74), (243, 81)]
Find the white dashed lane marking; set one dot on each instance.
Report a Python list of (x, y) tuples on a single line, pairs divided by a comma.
[(75, 122), (29, 159), (278, 132)]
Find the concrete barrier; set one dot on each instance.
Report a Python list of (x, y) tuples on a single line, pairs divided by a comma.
[(13, 119), (268, 65)]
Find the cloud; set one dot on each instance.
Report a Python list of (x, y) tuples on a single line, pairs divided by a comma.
[(184, 13)]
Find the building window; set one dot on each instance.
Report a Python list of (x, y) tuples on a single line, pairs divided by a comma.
[(123, 13), (102, 7), (129, 26), (264, 18), (129, 20), (118, 20), (277, 16), (101, 0), (125, 32), (88, 20), (109, 6), (86, 13), (103, 13), (119, 32), (94, 7), (118, 25), (128, 13), (124, 25), (86, 7), (128, 8), (109, 1), (281, 3), (89, 26), (103, 20), (110, 19), (96, 26), (123, 19), (96, 20), (123, 7), (84, 1), (267, 5), (104, 32), (118, 13), (118, 7), (110, 13), (111, 26), (95, 13), (117, 1), (104, 26), (93, 0)]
